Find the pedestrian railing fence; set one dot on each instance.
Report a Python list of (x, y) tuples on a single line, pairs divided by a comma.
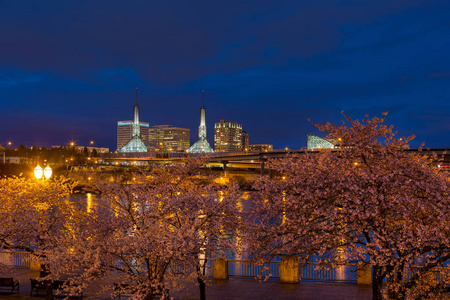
[(15, 259), (315, 271), (308, 271), (244, 268), (236, 268)]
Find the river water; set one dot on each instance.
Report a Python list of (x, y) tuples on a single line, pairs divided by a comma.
[(87, 201)]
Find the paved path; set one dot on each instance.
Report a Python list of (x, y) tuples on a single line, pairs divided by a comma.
[(244, 289)]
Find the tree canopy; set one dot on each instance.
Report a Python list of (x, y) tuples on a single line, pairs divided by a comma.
[(370, 201)]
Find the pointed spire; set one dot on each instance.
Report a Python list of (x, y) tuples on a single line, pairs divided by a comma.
[(202, 144), (136, 127)]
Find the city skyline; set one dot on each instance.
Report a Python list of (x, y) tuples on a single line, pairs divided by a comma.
[(68, 70)]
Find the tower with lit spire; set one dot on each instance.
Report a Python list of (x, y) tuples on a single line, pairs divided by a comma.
[(202, 145), (135, 144)]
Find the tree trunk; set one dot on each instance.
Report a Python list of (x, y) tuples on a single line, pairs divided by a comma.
[(390, 279), (48, 290), (377, 283), (201, 283), (202, 286), (48, 283)]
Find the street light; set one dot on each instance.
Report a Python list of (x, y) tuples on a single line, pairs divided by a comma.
[(43, 173), (38, 172), (48, 172)]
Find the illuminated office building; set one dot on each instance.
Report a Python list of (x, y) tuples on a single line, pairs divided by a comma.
[(169, 138), (124, 133), (201, 145), (228, 136), (245, 141), (135, 143)]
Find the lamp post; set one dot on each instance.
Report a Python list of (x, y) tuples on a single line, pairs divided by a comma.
[(45, 173), (9, 143)]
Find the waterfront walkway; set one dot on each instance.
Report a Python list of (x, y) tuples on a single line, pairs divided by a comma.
[(241, 289)]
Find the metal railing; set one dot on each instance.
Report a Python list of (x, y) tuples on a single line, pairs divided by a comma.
[(189, 269), (175, 268), (21, 260), (315, 271), (236, 268), (308, 271), (244, 268)]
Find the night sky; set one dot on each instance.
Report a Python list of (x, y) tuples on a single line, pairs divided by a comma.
[(69, 69)]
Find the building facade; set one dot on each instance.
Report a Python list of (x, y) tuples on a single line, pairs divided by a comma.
[(228, 136), (125, 130), (260, 147), (245, 141), (90, 149), (316, 142), (169, 138), (135, 143)]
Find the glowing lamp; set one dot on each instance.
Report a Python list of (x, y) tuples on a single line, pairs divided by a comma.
[(48, 172), (38, 172)]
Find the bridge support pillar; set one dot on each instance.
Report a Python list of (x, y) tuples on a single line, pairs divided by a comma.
[(225, 163)]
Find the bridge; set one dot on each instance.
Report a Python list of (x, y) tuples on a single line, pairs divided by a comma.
[(253, 162)]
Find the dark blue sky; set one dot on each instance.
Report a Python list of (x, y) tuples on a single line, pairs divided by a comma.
[(68, 69)]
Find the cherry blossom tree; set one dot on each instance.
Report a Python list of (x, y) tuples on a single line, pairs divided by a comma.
[(34, 216), (33, 213), (371, 201), (154, 230)]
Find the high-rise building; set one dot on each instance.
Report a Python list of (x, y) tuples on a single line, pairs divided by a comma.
[(245, 141), (228, 136), (169, 138), (201, 145), (124, 130), (135, 143)]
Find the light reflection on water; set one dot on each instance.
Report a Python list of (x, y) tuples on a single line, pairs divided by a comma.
[(87, 202), (83, 201)]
